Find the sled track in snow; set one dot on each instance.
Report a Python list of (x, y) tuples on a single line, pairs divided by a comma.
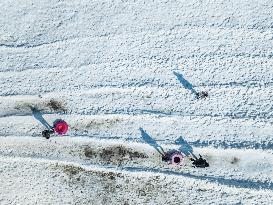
[(177, 28), (80, 178), (243, 103), (85, 153), (199, 130), (124, 75), (236, 183)]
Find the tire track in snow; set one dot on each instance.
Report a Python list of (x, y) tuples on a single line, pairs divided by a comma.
[(198, 131), (147, 101), (102, 50), (66, 172), (212, 176), (94, 76), (177, 28), (215, 46)]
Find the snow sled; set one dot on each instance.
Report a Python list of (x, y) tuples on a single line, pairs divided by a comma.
[(177, 158), (60, 127), (174, 157)]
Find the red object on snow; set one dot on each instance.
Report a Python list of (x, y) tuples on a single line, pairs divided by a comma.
[(60, 127), (177, 159)]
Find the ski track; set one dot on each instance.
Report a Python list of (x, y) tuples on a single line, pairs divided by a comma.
[(118, 71)]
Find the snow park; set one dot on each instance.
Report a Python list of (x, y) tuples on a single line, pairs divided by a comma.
[(136, 102)]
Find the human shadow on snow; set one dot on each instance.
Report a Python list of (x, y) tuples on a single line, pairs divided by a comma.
[(38, 116), (185, 147), (186, 84), (149, 140)]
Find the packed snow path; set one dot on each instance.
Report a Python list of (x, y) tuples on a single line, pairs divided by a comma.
[(118, 71)]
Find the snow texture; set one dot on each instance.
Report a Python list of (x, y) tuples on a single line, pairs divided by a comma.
[(127, 75)]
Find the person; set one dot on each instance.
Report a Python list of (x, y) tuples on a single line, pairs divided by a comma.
[(202, 94), (199, 162), (60, 127), (47, 133)]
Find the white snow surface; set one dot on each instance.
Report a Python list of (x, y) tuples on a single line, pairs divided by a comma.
[(121, 70)]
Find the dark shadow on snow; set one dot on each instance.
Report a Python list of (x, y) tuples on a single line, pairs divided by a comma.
[(186, 84), (149, 140), (185, 147), (238, 183), (38, 116)]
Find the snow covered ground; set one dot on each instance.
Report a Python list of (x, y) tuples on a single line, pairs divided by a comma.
[(121, 72)]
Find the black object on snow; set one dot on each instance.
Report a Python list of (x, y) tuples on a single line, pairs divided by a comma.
[(200, 162), (47, 133), (167, 155), (202, 94)]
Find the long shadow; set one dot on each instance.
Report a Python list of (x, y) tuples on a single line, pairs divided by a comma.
[(186, 84), (149, 140), (185, 147), (38, 116), (238, 183)]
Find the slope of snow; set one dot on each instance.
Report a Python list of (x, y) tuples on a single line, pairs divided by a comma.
[(118, 71)]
